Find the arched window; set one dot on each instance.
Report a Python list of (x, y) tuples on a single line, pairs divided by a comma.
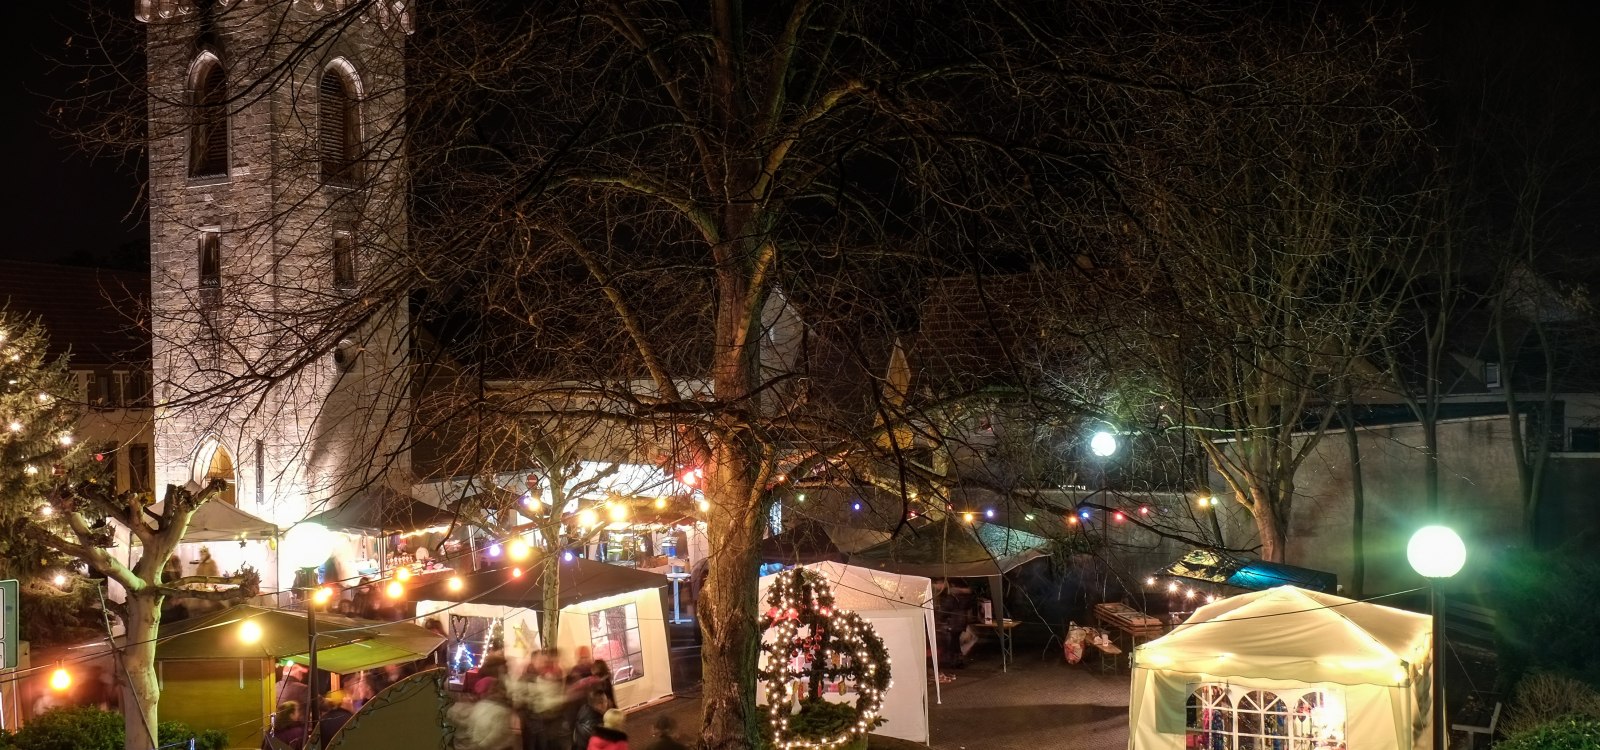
[(1210, 719), (1221, 716), (208, 132), (338, 127)]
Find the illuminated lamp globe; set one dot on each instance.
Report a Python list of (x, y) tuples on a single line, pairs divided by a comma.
[(1103, 444), (249, 632), (306, 545), (1436, 552), (60, 679)]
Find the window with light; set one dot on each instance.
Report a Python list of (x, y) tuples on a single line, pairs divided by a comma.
[(1220, 716), (614, 638)]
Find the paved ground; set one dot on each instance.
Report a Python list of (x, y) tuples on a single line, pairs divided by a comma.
[(1035, 705)]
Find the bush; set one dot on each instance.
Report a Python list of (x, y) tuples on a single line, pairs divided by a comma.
[(93, 729), (1571, 733), (1546, 602), (1543, 698)]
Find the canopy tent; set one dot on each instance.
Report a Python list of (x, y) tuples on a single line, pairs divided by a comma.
[(614, 611), (344, 644), (1212, 566), (1285, 666), (900, 608), (950, 548), (384, 511), (217, 521), (813, 541)]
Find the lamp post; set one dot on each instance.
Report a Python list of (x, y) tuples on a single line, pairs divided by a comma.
[(1436, 553), (306, 546)]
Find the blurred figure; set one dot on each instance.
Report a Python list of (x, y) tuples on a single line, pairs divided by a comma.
[(288, 729), (590, 717), (600, 679), (610, 735), (335, 713), (664, 740), (439, 657), (294, 689), (486, 725), (583, 666)]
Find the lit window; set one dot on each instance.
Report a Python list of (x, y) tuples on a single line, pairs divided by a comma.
[(614, 636), (1230, 717)]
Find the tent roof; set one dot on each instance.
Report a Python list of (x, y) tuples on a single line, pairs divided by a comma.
[(216, 521), (1289, 633), (581, 580), (810, 541), (949, 547), (341, 641), (1212, 566), (380, 509), (864, 589)]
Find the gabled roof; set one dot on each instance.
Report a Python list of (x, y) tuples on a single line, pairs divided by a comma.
[(98, 315)]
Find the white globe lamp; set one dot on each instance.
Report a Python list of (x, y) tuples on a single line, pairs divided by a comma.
[(1103, 444), (1436, 552), (306, 545)]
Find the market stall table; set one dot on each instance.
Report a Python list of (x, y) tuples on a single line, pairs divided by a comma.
[(1002, 631), (1123, 618)]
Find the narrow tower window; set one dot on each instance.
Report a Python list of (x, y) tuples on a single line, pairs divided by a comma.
[(210, 259), (344, 261), (338, 128), (208, 135)]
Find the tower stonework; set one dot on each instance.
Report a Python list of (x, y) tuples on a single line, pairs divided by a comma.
[(276, 197)]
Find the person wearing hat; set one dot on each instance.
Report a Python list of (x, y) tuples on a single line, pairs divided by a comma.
[(335, 713), (610, 735)]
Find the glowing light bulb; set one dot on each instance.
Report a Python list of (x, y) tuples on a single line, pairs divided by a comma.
[(1172, 587), (588, 518), (30, 470), (45, 510), (704, 505), (1028, 517), (66, 439), (249, 631), (1210, 598), (494, 550), (855, 506), (1188, 594), (516, 572), (968, 517), (395, 590), (1151, 581), (1144, 510), (15, 426), (456, 584), (989, 513), (322, 595), (1118, 517), (800, 498), (60, 679), (44, 398), (661, 503), (59, 580), (1072, 520), (518, 549), (618, 513), (402, 574), (567, 556), (1084, 514)]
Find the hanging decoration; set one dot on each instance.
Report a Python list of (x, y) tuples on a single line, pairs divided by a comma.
[(819, 650)]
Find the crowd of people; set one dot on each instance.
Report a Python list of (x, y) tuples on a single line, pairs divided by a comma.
[(540, 707)]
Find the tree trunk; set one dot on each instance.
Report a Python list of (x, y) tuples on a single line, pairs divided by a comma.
[(141, 691), (727, 606), (1268, 525), (1358, 500), (550, 590)]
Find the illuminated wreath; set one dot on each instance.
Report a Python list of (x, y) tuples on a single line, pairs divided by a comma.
[(818, 648)]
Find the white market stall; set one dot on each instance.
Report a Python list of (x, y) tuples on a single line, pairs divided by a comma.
[(900, 609), (615, 612), (1288, 668)]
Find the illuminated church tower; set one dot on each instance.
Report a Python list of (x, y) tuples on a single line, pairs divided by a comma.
[(276, 201)]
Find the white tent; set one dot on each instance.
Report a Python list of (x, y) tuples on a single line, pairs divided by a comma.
[(1289, 667), (900, 608)]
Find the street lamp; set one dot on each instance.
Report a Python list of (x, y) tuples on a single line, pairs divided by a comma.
[(1103, 444), (1436, 553), (305, 547)]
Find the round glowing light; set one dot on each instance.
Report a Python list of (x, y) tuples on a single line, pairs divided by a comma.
[(45, 510), (494, 550), (15, 426), (250, 632), (516, 572), (44, 398), (455, 583), (1436, 552), (1072, 520), (1172, 587), (66, 439), (322, 595), (1188, 594), (1103, 444), (968, 517), (60, 679), (1144, 510), (989, 513), (395, 590), (1084, 514), (518, 549), (704, 505), (800, 498), (1210, 598), (588, 518), (306, 545), (30, 470), (618, 513), (1028, 517), (855, 506), (1118, 517), (59, 579), (661, 503)]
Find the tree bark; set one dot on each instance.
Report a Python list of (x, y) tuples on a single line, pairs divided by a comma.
[(1268, 525), (1358, 499), (727, 606), (141, 691)]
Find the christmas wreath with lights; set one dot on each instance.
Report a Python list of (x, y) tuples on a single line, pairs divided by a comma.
[(817, 649)]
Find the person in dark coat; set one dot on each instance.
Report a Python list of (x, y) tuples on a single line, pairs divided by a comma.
[(288, 729), (590, 716), (334, 716)]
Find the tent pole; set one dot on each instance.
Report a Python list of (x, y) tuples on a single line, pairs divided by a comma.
[(997, 599)]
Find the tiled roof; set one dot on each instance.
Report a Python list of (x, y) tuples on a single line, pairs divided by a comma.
[(96, 314)]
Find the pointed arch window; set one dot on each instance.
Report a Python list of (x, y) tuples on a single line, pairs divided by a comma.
[(338, 127), (208, 132)]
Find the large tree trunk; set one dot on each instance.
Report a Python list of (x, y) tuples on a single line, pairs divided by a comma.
[(1269, 527), (550, 588), (727, 606), (141, 691)]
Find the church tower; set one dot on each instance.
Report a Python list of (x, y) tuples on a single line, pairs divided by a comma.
[(276, 212)]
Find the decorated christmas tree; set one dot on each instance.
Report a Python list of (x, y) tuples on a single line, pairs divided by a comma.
[(814, 650)]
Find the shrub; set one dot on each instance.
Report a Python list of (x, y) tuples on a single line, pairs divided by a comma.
[(1546, 602), (1542, 698), (1570, 733), (93, 729)]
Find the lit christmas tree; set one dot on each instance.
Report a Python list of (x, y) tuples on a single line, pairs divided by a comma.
[(818, 650)]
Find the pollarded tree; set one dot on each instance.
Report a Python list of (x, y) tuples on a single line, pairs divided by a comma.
[(53, 507)]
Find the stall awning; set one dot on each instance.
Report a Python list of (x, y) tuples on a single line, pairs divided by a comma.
[(344, 644), (812, 541), (1212, 566), (382, 510), (217, 521), (953, 548), (581, 579)]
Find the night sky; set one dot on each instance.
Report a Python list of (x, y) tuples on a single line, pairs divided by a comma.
[(61, 206)]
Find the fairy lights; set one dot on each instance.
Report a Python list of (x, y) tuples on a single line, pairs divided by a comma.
[(817, 649)]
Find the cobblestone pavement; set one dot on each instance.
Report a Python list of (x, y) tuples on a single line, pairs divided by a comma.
[(1035, 705)]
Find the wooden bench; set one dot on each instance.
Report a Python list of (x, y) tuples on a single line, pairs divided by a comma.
[(1110, 655)]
